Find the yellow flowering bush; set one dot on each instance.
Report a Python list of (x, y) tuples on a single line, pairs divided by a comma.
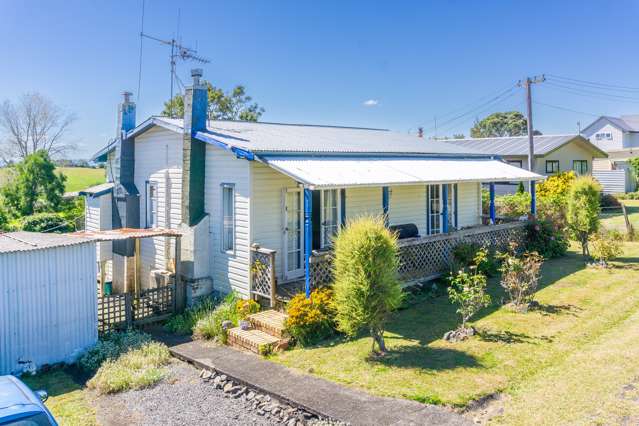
[(313, 319), (246, 307)]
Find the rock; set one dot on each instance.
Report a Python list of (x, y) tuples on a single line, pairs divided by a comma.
[(227, 387), (206, 375), (250, 396), (245, 325), (292, 422), (275, 411), (238, 391), (260, 412), (267, 398), (227, 324), (223, 377)]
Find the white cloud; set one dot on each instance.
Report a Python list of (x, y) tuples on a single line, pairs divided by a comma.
[(371, 103)]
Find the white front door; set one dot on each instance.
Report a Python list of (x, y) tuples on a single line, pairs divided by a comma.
[(293, 233)]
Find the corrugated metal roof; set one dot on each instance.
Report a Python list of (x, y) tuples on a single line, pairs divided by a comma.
[(25, 241), (632, 122), (97, 190), (277, 137), (348, 171), (627, 123), (518, 145)]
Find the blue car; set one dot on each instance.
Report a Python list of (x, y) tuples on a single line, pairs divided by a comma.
[(20, 406)]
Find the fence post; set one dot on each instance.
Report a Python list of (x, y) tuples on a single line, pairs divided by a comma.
[(180, 289), (271, 259), (128, 310)]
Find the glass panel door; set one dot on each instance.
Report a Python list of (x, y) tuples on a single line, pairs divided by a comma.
[(330, 216), (293, 234), (451, 207), (434, 209)]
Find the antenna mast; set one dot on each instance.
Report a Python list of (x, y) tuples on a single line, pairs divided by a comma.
[(178, 51)]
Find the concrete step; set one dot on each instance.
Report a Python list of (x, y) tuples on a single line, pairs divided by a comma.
[(270, 322), (255, 341)]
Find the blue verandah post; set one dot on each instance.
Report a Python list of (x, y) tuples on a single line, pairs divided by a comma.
[(533, 198), (385, 203), (308, 235), (444, 208), (491, 187)]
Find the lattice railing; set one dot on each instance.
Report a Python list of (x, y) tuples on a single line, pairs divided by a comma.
[(424, 257), (114, 312), (263, 282), (153, 303)]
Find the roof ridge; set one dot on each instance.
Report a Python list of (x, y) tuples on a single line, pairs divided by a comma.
[(504, 137), (330, 126)]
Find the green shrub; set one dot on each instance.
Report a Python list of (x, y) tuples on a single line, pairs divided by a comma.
[(111, 346), (606, 246), (366, 286), (583, 210), (609, 200), (468, 291), (543, 237), (184, 323), (135, 369), (465, 255), (311, 319), (515, 205), (46, 222), (246, 307), (210, 326)]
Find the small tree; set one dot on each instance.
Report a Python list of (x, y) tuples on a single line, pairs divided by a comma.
[(468, 290), (583, 210), (520, 277), (606, 247), (366, 286), (33, 186)]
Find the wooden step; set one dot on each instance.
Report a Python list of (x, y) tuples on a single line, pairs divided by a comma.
[(253, 340), (271, 322)]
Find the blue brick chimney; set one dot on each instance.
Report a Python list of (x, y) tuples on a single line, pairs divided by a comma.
[(196, 105)]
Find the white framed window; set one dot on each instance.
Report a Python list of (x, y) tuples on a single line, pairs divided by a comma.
[(435, 206), (330, 216), (516, 163), (228, 218), (151, 204), (609, 136), (552, 166), (599, 136), (580, 166)]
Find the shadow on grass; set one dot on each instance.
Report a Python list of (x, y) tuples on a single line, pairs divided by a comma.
[(57, 381), (548, 309), (426, 358), (631, 263), (510, 337)]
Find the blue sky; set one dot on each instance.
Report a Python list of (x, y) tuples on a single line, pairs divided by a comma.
[(319, 62)]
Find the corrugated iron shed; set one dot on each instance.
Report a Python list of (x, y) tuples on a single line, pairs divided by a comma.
[(26, 241)]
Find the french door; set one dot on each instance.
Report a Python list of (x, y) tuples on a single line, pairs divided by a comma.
[(435, 206), (293, 249), (330, 216)]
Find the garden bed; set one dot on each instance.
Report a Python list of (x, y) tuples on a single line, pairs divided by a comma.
[(577, 308)]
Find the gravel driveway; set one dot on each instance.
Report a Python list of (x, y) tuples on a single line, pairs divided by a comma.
[(182, 399)]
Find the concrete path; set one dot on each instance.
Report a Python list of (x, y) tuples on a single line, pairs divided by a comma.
[(310, 393)]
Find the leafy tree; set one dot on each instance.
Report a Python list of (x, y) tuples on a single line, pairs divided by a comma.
[(366, 286), (33, 123), (520, 276), (33, 186), (234, 105), (583, 210), (468, 289), (606, 247), (45, 222), (499, 124), (634, 165)]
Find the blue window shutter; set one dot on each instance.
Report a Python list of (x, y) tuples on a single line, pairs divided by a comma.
[(342, 202)]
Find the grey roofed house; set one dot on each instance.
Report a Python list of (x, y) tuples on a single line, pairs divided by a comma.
[(626, 123), (518, 145)]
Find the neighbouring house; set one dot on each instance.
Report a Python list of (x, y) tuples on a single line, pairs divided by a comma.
[(48, 304), (619, 137), (553, 154), (256, 204)]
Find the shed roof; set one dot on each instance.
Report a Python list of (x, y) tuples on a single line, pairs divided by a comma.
[(330, 172), (518, 145), (25, 241), (127, 233), (260, 137), (98, 190)]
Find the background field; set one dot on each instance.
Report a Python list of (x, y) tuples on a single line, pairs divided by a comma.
[(77, 177)]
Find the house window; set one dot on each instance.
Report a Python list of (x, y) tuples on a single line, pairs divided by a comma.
[(552, 166), (516, 163), (151, 204), (228, 217), (330, 216), (609, 136), (580, 166)]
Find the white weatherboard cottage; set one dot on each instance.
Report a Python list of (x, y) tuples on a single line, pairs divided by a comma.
[(276, 193)]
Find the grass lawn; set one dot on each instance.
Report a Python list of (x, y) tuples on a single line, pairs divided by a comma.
[(579, 348), (67, 399), (77, 177), (615, 220)]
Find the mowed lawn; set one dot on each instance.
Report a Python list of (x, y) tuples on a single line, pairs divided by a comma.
[(77, 177), (68, 400), (613, 218), (567, 362)]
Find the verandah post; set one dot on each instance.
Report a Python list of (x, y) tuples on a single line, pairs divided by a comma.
[(385, 203), (308, 235), (444, 208), (533, 198), (491, 187)]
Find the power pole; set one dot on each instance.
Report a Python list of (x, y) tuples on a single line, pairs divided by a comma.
[(527, 83)]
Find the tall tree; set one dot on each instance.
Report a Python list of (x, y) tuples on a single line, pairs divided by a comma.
[(512, 123), (33, 186), (31, 124), (234, 105)]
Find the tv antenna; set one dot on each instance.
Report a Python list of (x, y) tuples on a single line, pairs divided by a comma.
[(178, 51)]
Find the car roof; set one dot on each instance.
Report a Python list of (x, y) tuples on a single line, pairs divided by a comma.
[(16, 399)]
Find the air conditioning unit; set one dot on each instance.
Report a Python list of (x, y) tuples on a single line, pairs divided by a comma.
[(161, 278)]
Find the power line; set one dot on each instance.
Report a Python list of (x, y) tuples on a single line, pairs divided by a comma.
[(592, 94), (566, 109), (140, 60), (576, 81)]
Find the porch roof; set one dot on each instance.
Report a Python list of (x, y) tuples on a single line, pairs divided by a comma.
[(331, 172)]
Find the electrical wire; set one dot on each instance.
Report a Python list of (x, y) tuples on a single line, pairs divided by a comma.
[(566, 109), (590, 94), (140, 58), (593, 84)]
